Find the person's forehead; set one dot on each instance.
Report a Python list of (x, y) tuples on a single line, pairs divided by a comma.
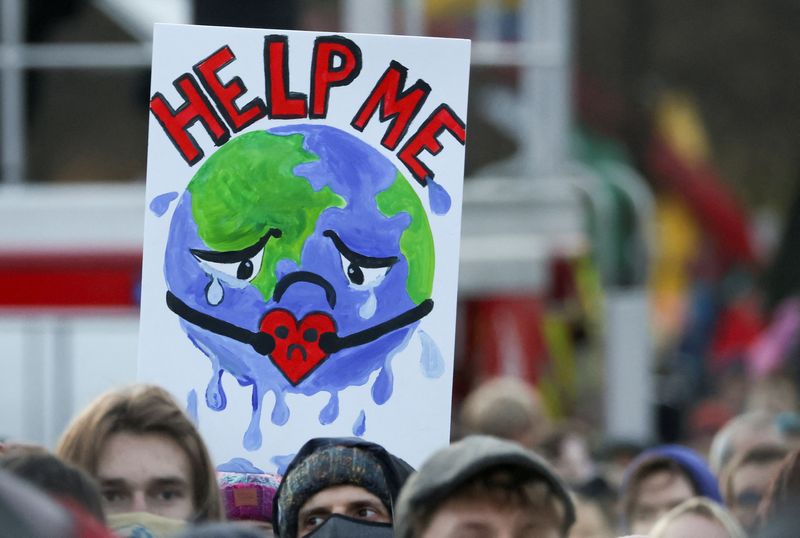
[(692, 524), (339, 495), (664, 483), (750, 436), (141, 457), (474, 512)]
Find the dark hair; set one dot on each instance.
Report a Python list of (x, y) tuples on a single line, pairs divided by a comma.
[(501, 486), (443, 474), (143, 409), (57, 478)]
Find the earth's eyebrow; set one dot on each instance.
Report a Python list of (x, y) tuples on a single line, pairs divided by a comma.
[(359, 259), (233, 256)]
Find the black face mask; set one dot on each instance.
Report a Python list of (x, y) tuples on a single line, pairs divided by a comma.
[(339, 526)]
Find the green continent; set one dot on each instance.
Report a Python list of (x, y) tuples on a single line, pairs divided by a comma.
[(247, 187), (416, 242)]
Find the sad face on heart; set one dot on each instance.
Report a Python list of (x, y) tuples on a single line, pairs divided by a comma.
[(297, 351), (298, 260)]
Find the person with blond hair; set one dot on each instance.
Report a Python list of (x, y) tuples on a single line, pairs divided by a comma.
[(741, 433), (778, 509), (146, 455), (698, 516), (747, 477), (508, 408)]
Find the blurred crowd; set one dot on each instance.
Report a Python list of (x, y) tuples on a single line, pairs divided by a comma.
[(132, 464)]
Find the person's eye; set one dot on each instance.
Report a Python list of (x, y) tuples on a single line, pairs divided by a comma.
[(168, 495), (314, 521), (366, 512), (114, 496), (748, 498)]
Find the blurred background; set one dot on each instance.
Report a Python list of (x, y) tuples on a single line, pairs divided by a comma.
[(631, 210)]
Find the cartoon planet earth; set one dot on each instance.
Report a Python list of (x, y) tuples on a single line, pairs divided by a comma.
[(298, 260)]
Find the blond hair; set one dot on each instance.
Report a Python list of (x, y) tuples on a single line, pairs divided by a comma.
[(143, 409), (505, 407), (700, 506), (729, 440), (758, 455)]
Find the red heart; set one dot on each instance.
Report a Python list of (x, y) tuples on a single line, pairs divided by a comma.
[(297, 352)]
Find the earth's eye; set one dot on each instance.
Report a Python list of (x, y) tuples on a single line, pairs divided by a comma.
[(245, 270), (361, 277), (363, 272), (238, 264), (355, 274)]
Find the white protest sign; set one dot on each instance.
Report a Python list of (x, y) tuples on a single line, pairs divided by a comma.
[(302, 236)]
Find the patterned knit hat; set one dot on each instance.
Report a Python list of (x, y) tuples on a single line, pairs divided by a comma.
[(327, 467), (248, 496)]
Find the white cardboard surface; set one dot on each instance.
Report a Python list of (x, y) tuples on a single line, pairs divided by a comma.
[(415, 361)]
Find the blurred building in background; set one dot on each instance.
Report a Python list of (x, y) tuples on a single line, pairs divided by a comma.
[(628, 177)]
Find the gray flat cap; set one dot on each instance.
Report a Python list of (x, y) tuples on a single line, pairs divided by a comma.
[(450, 467)]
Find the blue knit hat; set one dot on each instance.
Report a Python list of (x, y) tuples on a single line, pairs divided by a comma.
[(704, 482)]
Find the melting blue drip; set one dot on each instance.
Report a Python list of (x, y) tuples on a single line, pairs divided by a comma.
[(280, 412), (360, 425), (431, 361), (239, 465), (252, 437), (191, 406), (282, 462), (160, 203), (215, 395), (330, 412), (384, 385), (438, 197)]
